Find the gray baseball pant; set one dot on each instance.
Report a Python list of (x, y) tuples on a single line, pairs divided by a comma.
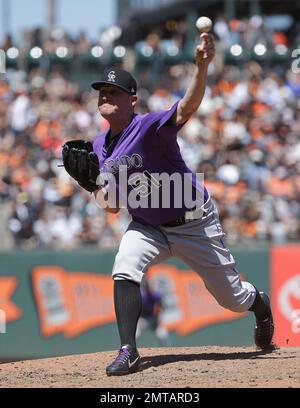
[(198, 243)]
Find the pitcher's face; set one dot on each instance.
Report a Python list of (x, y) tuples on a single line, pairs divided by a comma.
[(113, 102)]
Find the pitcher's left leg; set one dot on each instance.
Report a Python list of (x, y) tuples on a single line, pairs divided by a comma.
[(200, 245)]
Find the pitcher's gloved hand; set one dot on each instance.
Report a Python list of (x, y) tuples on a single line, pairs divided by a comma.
[(81, 163)]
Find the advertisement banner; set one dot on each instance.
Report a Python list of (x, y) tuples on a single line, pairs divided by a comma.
[(71, 302), (285, 289), (188, 306), (9, 310)]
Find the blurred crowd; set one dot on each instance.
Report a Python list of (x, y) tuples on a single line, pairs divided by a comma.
[(175, 34), (270, 32), (245, 138), (48, 41)]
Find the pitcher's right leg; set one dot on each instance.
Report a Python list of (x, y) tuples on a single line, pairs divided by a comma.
[(140, 248)]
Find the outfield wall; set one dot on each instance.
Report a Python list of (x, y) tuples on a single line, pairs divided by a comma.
[(61, 302)]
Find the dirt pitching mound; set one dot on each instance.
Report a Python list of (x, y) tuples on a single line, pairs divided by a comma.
[(195, 367)]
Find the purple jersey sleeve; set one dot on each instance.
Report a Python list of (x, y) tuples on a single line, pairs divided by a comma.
[(158, 128), (161, 118)]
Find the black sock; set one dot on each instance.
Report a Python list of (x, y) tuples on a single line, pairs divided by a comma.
[(128, 306), (260, 307)]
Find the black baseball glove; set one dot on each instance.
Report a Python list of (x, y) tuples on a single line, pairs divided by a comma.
[(81, 163)]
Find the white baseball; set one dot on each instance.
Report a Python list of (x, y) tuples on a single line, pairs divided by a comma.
[(204, 24)]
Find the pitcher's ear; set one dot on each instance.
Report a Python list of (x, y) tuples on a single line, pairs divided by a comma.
[(134, 99)]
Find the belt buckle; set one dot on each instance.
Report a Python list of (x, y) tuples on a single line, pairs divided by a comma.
[(180, 220), (175, 223)]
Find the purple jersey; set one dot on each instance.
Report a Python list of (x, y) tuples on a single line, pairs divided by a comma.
[(147, 145)]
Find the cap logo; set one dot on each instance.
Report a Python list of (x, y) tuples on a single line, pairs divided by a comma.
[(111, 76)]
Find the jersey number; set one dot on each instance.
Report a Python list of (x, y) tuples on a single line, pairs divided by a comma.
[(143, 183)]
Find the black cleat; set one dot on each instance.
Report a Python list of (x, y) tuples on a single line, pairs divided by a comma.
[(264, 329), (127, 362)]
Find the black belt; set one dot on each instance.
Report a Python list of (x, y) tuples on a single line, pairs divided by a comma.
[(178, 221), (181, 220)]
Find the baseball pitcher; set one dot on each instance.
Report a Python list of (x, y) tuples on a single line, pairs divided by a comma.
[(126, 160)]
